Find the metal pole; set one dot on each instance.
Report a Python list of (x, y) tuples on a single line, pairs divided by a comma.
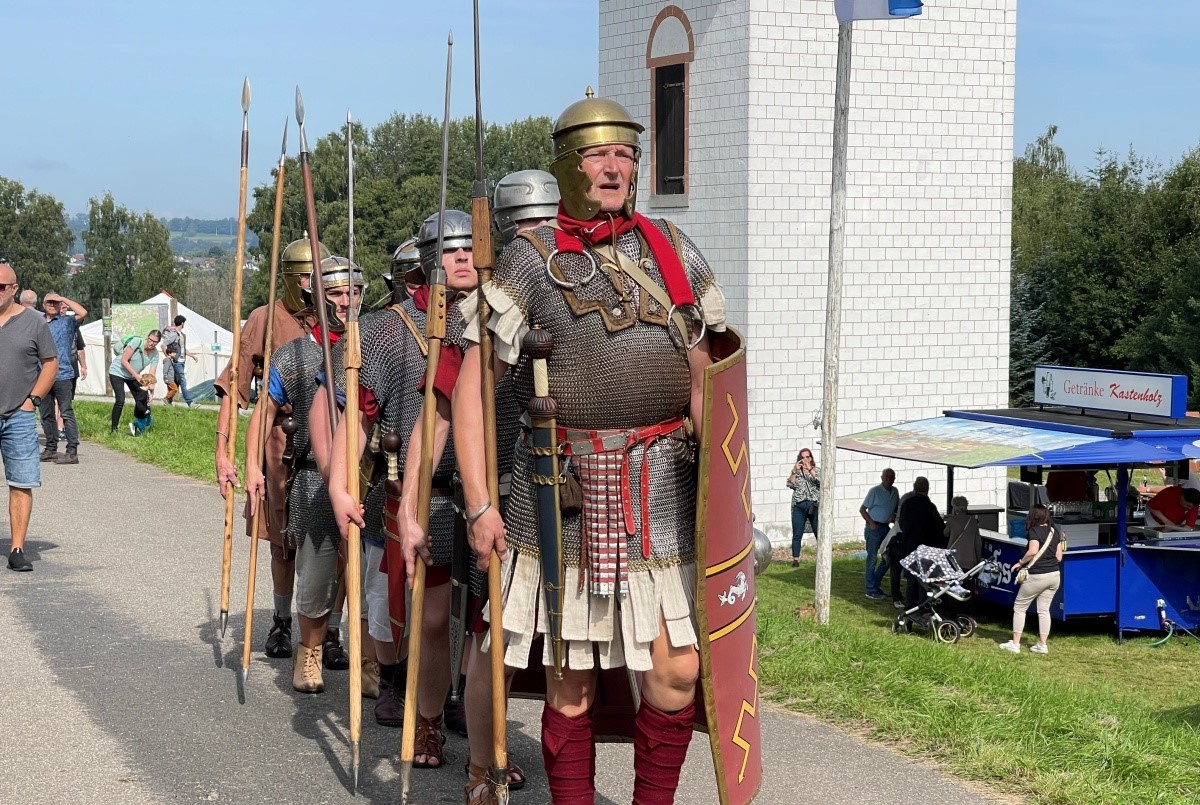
[(833, 323)]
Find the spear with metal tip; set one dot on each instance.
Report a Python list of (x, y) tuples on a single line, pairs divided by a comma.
[(352, 358), (435, 333), (231, 439), (318, 283), (260, 436), (482, 253)]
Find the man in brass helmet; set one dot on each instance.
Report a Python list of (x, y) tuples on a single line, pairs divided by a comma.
[(309, 522), (627, 300), (293, 319)]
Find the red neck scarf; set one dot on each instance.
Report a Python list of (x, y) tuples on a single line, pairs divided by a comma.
[(333, 337), (573, 233), (421, 298)]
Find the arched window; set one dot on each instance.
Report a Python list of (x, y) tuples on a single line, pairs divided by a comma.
[(669, 51)]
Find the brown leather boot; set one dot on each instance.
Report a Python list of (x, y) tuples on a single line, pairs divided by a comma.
[(370, 678), (389, 710), (306, 670)]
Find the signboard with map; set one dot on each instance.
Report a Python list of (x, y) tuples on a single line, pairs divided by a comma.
[(130, 320)]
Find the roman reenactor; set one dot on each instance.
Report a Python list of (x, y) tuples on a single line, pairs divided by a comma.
[(309, 523), (523, 200), (601, 318), (391, 378), (293, 319)]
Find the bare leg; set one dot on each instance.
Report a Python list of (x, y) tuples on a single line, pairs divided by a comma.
[(435, 658), (20, 506), (312, 630), (283, 576)]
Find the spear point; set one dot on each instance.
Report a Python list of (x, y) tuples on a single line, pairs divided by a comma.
[(299, 107), (245, 675), (283, 150), (355, 757), (224, 622), (246, 95), (405, 778), (450, 37)]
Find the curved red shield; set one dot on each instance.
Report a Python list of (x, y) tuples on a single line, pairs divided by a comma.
[(725, 589)]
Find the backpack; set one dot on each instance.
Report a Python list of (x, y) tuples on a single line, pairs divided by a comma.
[(125, 342)]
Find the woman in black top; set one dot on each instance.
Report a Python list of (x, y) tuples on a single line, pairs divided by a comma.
[(1044, 579)]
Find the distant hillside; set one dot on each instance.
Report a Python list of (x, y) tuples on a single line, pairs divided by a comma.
[(189, 236)]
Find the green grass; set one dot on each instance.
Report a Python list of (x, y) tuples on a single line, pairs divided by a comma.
[(1094, 722), (181, 440)]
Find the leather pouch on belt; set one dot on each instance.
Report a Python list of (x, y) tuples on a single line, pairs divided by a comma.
[(570, 494)]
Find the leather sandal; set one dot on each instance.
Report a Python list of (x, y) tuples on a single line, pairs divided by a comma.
[(479, 790), (428, 743), (516, 775)]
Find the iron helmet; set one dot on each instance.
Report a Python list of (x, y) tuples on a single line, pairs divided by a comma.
[(406, 267), (583, 124), (456, 234), (295, 263), (338, 272), (527, 195)]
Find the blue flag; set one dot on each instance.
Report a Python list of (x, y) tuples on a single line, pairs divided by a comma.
[(849, 10)]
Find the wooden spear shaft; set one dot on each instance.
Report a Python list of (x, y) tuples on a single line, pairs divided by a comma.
[(260, 436), (482, 255), (231, 437), (352, 360), (435, 333)]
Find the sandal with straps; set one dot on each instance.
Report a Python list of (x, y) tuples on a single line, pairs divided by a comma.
[(479, 790), (516, 775), (428, 743)]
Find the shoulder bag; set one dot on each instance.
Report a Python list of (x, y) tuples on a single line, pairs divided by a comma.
[(1023, 573)]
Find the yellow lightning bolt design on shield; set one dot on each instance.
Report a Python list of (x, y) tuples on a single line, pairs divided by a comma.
[(735, 462), (748, 708)]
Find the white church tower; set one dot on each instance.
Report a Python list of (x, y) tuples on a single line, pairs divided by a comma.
[(737, 100)]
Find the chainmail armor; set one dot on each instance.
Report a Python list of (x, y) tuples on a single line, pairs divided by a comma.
[(310, 514), (393, 370), (631, 375)]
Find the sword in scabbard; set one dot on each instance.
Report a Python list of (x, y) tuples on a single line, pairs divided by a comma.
[(260, 436), (231, 439), (352, 358), (543, 414), (482, 255), (435, 333)]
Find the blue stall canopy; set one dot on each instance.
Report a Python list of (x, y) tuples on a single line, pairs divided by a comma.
[(1020, 437)]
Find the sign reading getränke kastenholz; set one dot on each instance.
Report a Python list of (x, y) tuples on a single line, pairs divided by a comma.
[(1104, 390)]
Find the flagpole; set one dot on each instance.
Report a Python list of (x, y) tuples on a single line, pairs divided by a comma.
[(833, 323)]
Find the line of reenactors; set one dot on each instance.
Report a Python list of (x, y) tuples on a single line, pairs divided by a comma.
[(598, 310)]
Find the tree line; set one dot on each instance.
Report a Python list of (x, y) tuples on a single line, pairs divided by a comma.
[(1105, 265), (397, 173)]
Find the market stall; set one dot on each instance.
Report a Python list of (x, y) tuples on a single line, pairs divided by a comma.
[(1094, 427)]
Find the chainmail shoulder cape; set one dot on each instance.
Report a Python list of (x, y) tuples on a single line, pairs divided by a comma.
[(614, 366), (393, 369), (309, 512)]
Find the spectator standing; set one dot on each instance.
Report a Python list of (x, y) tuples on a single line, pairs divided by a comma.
[(79, 364), (29, 357), (29, 299), (1045, 576), (895, 552), (174, 367), (138, 356), (920, 524), (878, 509), (64, 328), (805, 483)]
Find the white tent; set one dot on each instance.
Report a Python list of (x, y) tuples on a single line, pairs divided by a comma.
[(202, 335)]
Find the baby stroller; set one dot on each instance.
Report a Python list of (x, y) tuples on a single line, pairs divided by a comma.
[(940, 576)]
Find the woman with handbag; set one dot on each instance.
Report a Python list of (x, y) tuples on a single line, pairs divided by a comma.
[(1039, 572), (805, 483)]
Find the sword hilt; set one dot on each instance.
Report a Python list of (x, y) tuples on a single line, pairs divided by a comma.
[(391, 443)]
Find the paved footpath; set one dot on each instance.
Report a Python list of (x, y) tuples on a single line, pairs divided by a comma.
[(118, 690)]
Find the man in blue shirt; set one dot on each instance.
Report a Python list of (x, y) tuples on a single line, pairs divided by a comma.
[(63, 328), (878, 509)]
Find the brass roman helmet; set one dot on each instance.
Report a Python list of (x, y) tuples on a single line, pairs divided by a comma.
[(296, 263), (583, 124)]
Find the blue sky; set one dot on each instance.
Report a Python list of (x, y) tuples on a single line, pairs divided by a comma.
[(142, 98)]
